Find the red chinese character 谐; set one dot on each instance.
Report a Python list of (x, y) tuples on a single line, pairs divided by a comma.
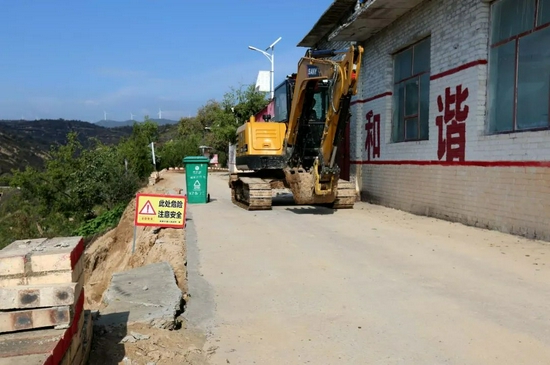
[(451, 141)]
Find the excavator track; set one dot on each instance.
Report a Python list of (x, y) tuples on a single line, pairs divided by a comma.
[(345, 195), (250, 193)]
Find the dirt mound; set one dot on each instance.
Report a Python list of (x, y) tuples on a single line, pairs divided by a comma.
[(112, 252), (139, 344)]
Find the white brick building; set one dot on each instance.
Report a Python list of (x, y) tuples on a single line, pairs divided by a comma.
[(452, 116)]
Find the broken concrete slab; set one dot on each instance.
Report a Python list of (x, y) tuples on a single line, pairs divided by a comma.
[(127, 301)]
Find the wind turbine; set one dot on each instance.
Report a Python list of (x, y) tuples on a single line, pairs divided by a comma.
[(131, 116), (160, 114), (104, 115)]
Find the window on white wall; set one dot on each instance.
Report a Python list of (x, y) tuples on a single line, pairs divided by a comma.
[(519, 66), (411, 93)]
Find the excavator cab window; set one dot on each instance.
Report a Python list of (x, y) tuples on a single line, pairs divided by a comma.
[(312, 126), (283, 100), (320, 102)]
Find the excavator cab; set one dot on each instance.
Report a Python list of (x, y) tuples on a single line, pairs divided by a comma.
[(310, 131)]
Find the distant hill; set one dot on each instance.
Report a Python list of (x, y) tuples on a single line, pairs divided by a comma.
[(115, 123), (25, 143)]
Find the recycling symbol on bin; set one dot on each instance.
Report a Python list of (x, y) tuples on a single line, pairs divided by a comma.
[(197, 168), (197, 185)]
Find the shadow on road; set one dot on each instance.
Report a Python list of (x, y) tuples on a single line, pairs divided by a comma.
[(106, 341), (286, 199), (314, 210), (282, 199)]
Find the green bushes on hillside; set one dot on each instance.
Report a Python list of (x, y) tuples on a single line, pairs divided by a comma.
[(76, 187), (84, 190)]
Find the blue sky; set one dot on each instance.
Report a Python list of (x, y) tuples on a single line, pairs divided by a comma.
[(74, 59)]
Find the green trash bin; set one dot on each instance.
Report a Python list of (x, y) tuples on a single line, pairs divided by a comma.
[(196, 179)]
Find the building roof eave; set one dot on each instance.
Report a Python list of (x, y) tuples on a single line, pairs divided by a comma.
[(327, 22), (371, 18)]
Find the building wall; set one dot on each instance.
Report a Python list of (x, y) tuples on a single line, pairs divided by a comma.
[(502, 181), (268, 110)]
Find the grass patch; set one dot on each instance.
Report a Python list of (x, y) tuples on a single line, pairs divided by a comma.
[(102, 222)]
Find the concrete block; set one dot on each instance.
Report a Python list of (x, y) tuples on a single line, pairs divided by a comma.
[(36, 257), (66, 359), (30, 343), (35, 359), (39, 296), (35, 318), (58, 277), (13, 256), (51, 342), (77, 356), (87, 337), (56, 254), (76, 342), (147, 294), (76, 353)]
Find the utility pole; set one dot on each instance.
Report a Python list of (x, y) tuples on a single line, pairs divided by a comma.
[(271, 58), (153, 154)]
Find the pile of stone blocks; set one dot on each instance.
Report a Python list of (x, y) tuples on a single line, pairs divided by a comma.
[(154, 178), (42, 316)]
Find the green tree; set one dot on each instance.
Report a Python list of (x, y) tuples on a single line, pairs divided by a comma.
[(172, 152), (103, 180), (191, 128), (237, 106), (245, 101), (137, 150), (78, 187)]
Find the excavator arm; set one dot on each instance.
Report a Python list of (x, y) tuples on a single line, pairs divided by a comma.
[(336, 82)]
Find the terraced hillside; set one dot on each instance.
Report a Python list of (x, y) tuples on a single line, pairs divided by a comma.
[(25, 143)]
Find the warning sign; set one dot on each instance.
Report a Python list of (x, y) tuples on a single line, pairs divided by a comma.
[(160, 210), (148, 209)]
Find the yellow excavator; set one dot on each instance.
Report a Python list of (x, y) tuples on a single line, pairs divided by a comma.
[(297, 148)]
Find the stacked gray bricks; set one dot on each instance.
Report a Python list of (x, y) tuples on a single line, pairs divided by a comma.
[(42, 316)]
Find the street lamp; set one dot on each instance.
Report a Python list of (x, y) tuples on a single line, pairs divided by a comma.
[(271, 58)]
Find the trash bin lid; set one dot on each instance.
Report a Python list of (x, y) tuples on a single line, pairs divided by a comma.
[(196, 159)]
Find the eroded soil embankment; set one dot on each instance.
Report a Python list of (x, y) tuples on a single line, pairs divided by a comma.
[(112, 253)]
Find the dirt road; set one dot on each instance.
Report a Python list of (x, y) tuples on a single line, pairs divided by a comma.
[(303, 285)]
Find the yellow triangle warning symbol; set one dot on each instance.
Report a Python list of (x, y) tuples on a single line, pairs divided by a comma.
[(148, 209)]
